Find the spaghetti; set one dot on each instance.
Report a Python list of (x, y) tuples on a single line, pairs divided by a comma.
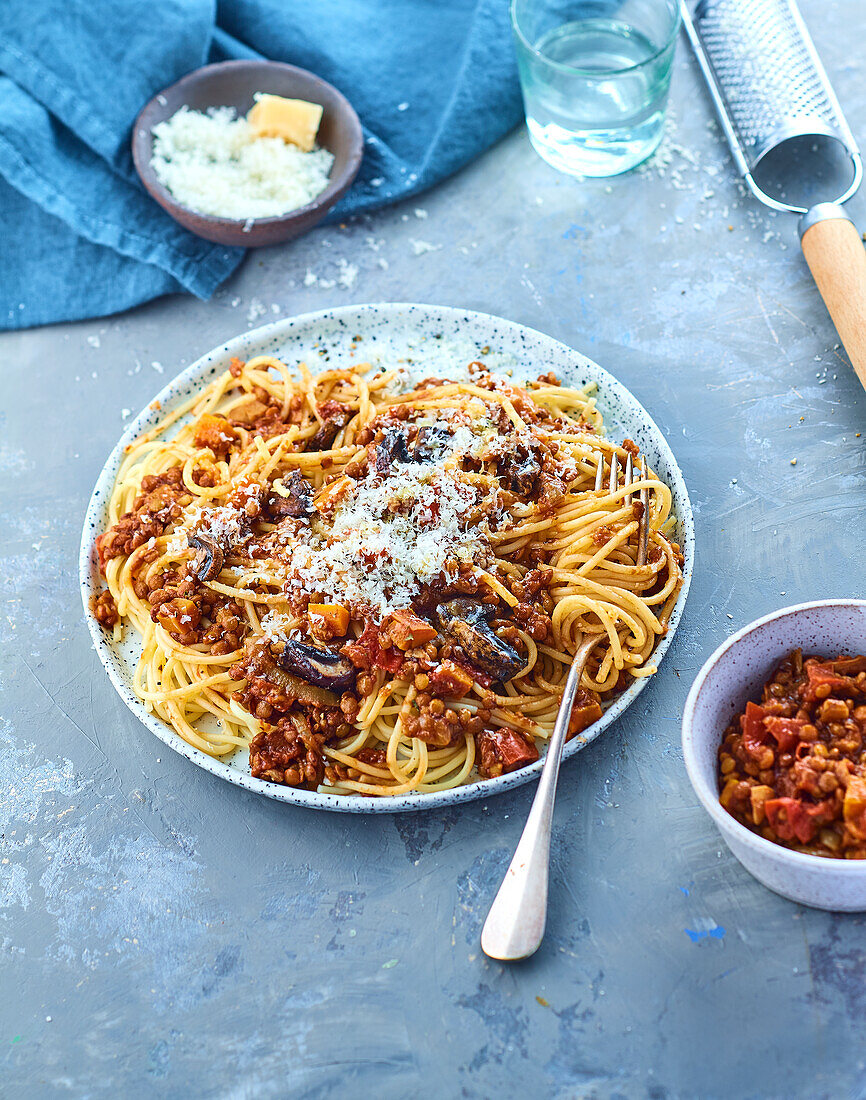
[(378, 586)]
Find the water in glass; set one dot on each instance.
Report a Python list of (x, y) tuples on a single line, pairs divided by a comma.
[(595, 97)]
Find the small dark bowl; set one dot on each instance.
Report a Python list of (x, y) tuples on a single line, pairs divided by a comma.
[(233, 84)]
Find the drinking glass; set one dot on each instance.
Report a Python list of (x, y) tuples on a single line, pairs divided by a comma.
[(595, 76)]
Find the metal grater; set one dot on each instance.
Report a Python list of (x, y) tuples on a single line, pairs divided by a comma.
[(767, 83)]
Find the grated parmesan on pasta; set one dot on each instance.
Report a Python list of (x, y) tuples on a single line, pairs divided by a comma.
[(408, 546), (212, 163), (386, 538)]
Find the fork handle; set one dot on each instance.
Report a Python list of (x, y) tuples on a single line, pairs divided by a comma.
[(837, 260), (515, 924)]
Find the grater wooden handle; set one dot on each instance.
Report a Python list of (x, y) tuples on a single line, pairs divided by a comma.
[(837, 260)]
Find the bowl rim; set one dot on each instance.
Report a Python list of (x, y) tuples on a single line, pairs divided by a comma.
[(336, 187), (709, 799)]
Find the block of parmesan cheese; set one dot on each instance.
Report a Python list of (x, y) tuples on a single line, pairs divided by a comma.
[(292, 120)]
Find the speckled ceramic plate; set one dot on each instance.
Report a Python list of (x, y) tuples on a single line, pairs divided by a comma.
[(429, 338)]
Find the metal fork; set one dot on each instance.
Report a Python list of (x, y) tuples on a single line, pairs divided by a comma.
[(515, 924)]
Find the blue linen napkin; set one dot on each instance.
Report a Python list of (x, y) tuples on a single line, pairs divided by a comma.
[(433, 81)]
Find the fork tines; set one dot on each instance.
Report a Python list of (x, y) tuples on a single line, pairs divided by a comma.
[(643, 495)]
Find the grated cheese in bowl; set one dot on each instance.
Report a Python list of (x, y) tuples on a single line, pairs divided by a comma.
[(213, 162)]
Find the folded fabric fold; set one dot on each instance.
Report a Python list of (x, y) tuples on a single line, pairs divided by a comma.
[(434, 84)]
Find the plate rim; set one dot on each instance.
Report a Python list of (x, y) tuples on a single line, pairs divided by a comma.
[(88, 574)]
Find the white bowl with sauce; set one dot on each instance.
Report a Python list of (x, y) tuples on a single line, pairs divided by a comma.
[(736, 673)]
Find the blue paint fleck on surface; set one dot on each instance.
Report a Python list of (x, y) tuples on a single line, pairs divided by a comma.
[(694, 935)]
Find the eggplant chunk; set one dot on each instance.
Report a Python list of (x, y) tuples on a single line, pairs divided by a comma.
[(393, 448), (299, 501), (208, 561), (321, 667), (466, 622), (849, 666), (327, 432), (430, 442), (521, 473), (261, 664)]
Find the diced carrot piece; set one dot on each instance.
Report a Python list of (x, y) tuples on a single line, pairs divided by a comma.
[(451, 680), (331, 615), (585, 711), (406, 630), (214, 432), (179, 616), (327, 497)]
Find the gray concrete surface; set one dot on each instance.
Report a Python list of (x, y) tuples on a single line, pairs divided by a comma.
[(164, 934)]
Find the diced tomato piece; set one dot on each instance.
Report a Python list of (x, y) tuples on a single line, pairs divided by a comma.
[(755, 736), (503, 750), (823, 674), (753, 722), (786, 731), (788, 820), (792, 819), (805, 777), (391, 660), (515, 749), (367, 652)]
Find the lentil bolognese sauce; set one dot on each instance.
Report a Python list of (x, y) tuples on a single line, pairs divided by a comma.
[(793, 768), (377, 586)]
